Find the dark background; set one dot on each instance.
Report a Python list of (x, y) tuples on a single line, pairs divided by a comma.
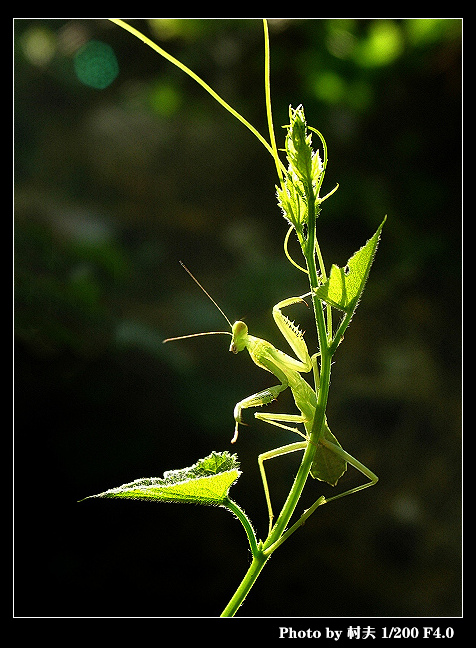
[(113, 187)]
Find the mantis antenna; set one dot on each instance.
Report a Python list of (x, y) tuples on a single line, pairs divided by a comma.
[(182, 337)]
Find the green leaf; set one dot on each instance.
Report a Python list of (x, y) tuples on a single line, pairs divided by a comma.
[(345, 285), (206, 482), (327, 466)]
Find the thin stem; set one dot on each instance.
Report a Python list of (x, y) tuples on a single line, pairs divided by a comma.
[(196, 78), (286, 251), (323, 279), (267, 88), (322, 267), (340, 331), (324, 161), (241, 515), (325, 379)]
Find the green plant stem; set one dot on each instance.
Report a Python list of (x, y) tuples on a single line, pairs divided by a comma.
[(322, 332), (279, 533), (254, 570), (325, 373), (241, 515)]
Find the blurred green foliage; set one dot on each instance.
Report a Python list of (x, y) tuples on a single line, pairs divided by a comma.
[(112, 187)]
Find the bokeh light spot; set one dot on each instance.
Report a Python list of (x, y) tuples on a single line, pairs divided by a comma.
[(96, 64), (38, 45), (383, 45)]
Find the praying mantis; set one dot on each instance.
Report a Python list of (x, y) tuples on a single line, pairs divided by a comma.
[(330, 460)]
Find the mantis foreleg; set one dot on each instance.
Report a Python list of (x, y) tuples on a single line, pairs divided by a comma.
[(256, 400), (293, 335)]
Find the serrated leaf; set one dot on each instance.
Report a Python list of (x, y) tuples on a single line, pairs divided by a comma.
[(206, 482), (327, 466), (345, 285)]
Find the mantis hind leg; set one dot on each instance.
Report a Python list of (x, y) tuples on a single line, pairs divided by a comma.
[(372, 477), (277, 452), (273, 419)]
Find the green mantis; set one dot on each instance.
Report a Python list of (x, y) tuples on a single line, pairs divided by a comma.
[(330, 460)]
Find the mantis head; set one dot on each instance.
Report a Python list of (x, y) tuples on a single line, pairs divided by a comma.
[(239, 336)]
